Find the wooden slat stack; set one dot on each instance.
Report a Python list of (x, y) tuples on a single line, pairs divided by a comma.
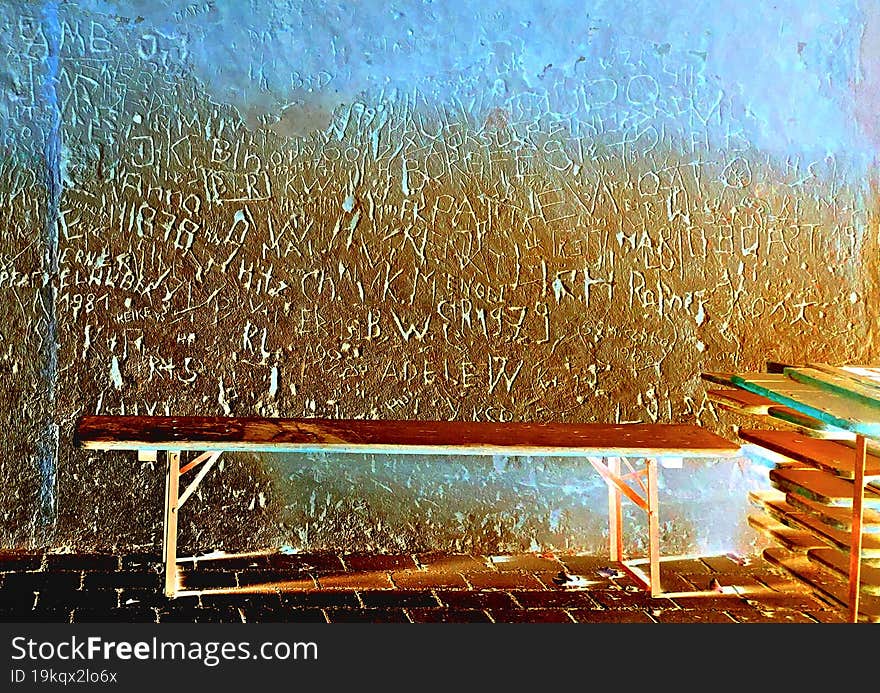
[(807, 511)]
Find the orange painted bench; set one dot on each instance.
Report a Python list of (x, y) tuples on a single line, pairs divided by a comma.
[(608, 447)]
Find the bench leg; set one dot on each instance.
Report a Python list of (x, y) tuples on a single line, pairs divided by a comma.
[(653, 527), (615, 514), (169, 553), (855, 549)]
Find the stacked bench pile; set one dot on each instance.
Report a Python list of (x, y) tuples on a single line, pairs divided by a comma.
[(822, 507), (612, 449)]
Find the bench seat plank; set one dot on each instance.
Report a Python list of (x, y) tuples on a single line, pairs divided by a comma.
[(808, 425), (822, 580), (836, 383), (718, 378), (821, 487), (836, 516), (828, 455), (395, 437), (787, 515), (741, 400), (838, 562), (793, 539), (833, 408)]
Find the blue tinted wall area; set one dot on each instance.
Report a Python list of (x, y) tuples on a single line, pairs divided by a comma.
[(536, 211)]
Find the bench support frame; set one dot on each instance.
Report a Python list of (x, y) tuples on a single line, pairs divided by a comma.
[(619, 484), (650, 503), (174, 500)]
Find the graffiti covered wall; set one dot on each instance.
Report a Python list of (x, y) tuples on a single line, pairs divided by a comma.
[(533, 211)]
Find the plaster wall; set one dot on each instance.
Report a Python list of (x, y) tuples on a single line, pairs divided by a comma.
[(540, 211)]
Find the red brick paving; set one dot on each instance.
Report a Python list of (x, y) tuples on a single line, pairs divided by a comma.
[(428, 579), (424, 588)]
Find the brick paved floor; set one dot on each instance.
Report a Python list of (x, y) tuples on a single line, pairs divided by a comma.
[(424, 588)]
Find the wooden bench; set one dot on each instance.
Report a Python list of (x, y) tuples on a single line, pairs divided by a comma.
[(608, 447)]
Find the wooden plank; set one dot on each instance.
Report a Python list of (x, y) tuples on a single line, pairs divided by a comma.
[(396, 437), (873, 445), (821, 487), (777, 366), (758, 497), (868, 376), (792, 517), (828, 455), (838, 562), (728, 379), (871, 372), (807, 424), (718, 378), (824, 582), (741, 400), (796, 540), (769, 458), (864, 376), (835, 516), (833, 408), (844, 385)]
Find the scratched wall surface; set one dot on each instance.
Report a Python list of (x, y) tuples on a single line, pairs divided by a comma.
[(27, 322), (529, 211)]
